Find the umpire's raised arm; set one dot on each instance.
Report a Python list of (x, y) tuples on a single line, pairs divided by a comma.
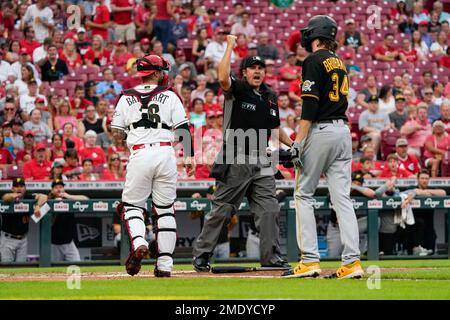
[(223, 69)]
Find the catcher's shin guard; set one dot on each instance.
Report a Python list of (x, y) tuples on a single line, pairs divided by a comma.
[(133, 218), (165, 229)]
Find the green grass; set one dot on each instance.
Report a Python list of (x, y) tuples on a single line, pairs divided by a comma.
[(409, 284)]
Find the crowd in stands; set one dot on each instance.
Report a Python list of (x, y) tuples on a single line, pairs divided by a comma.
[(60, 77)]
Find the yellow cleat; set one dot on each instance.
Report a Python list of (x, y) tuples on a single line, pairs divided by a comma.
[(349, 271), (303, 270)]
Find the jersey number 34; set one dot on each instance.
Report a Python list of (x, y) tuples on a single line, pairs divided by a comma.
[(341, 88)]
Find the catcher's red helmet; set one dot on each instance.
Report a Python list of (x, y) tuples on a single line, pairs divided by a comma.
[(149, 64)]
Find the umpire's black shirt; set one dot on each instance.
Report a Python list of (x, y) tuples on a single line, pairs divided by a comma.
[(246, 108)]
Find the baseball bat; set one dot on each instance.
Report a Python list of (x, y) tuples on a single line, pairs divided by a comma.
[(240, 269)]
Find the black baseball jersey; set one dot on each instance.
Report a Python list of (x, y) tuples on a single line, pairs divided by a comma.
[(324, 78), (16, 224), (250, 109)]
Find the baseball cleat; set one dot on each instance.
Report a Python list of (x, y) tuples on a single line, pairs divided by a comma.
[(201, 264), (133, 263), (161, 274), (349, 271), (303, 270)]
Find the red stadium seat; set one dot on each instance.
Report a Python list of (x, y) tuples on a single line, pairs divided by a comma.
[(14, 172), (388, 140)]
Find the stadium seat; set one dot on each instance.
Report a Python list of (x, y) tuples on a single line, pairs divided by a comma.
[(388, 139), (15, 171)]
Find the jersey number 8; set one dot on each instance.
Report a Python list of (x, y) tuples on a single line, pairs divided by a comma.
[(153, 116), (334, 95)]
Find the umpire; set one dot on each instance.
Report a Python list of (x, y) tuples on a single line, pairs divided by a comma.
[(250, 107), (323, 145)]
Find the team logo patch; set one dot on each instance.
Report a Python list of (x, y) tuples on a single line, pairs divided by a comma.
[(273, 112), (306, 87), (248, 106)]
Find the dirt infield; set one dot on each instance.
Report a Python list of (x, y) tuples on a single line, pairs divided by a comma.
[(59, 276)]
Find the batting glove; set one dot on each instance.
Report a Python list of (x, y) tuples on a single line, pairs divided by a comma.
[(296, 153)]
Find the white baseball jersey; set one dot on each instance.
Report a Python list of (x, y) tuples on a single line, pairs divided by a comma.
[(166, 107)]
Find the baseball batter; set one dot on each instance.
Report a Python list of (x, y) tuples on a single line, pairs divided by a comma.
[(323, 146), (149, 113)]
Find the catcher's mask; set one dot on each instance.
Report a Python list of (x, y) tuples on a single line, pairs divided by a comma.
[(152, 63), (319, 26)]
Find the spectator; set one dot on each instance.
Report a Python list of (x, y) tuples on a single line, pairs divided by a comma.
[(265, 49), (386, 101), (124, 27), (88, 171), (11, 112), (115, 169), (158, 50), (236, 16), (70, 56), (28, 44), (416, 131), (68, 134), (352, 38), (386, 52), (438, 7), (445, 115), (201, 89), (78, 103), (40, 17), (399, 116), (180, 59), (293, 41), (39, 128), (436, 146), (91, 150), (14, 227), (425, 36), (144, 15), (185, 94), (434, 26), (64, 114), (271, 78), (6, 157), (284, 109), (199, 45), (46, 116), (438, 93), (439, 47), (370, 90), (372, 121), (407, 53), (410, 96), (215, 22), (427, 79), (427, 97), (118, 146), (188, 79), (101, 21), (8, 142), (419, 13), (445, 60), (25, 79), (57, 152), (26, 153), (393, 170), (400, 13), (6, 72), (104, 139), (210, 102), (356, 153), (24, 60), (13, 52), (56, 170), (97, 55), (197, 116), (81, 43), (351, 67), (90, 122), (109, 88), (90, 88), (406, 161), (419, 45), (252, 49), (162, 21), (241, 48), (120, 55), (215, 50), (17, 135), (72, 169), (27, 101), (427, 238), (63, 227), (54, 68), (290, 70), (179, 29), (131, 81), (39, 167)]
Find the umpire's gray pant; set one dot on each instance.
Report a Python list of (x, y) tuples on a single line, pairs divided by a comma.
[(328, 151), (244, 180)]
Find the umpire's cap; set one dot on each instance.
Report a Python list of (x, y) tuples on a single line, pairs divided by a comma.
[(249, 61), (319, 26)]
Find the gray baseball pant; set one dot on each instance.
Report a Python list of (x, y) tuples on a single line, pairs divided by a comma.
[(65, 252), (244, 180), (327, 151), (13, 250)]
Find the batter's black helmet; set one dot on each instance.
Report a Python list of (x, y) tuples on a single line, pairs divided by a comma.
[(319, 26)]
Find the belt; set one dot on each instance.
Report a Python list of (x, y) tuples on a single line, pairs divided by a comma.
[(13, 236), (333, 121), (160, 144)]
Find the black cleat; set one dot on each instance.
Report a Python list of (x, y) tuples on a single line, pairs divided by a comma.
[(280, 264), (201, 263)]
